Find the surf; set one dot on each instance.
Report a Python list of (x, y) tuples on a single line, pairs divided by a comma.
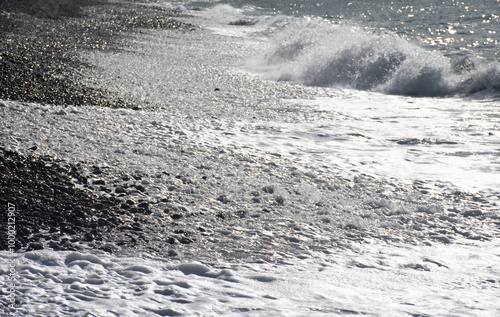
[(317, 52)]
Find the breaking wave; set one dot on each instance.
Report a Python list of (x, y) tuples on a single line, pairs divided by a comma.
[(318, 53), (226, 14)]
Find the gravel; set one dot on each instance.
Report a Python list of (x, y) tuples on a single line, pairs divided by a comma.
[(50, 210), (219, 202), (39, 42), (56, 205)]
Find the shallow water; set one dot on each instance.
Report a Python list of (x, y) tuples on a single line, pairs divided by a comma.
[(376, 280)]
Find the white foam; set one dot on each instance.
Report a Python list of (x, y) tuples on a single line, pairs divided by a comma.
[(442, 140), (373, 280), (317, 52)]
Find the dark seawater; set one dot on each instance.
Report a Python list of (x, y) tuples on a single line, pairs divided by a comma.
[(455, 27)]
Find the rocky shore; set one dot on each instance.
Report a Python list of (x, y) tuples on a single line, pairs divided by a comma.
[(64, 206), (50, 210), (164, 191), (40, 41), (57, 206)]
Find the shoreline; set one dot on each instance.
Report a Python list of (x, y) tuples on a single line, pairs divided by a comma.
[(208, 201), (41, 65), (39, 59), (180, 183)]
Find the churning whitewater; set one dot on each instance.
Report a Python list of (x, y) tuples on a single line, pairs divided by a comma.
[(327, 55), (290, 158)]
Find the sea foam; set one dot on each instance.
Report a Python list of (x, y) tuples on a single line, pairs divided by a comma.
[(380, 280), (316, 52), (226, 14)]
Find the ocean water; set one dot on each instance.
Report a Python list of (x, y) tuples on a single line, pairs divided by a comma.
[(376, 58), (355, 144)]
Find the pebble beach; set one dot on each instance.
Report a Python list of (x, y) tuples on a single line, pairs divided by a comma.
[(119, 150)]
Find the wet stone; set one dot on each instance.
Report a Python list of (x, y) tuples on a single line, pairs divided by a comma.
[(119, 190), (143, 205), (50, 203), (473, 213), (223, 199), (268, 189), (99, 182), (172, 253), (87, 236), (98, 206)]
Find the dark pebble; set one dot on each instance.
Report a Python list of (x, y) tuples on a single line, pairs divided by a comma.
[(119, 190), (185, 240), (125, 206), (268, 189), (87, 236), (34, 246), (242, 213), (473, 213), (107, 248), (143, 205), (59, 188), (223, 199), (54, 245), (137, 227), (97, 206), (280, 200)]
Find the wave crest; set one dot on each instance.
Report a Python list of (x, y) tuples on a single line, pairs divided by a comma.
[(318, 53), (226, 14)]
